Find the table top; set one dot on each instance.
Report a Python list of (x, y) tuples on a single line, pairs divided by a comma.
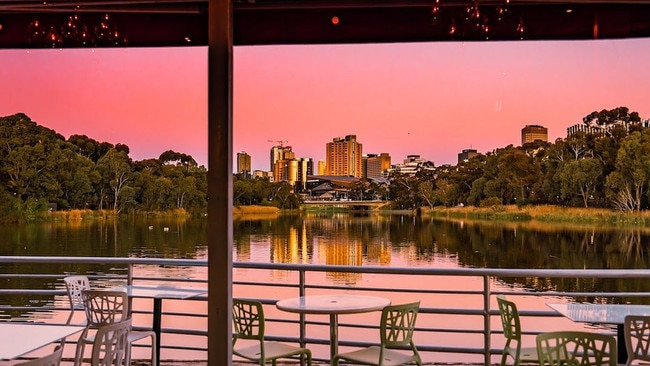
[(600, 313), (333, 304), (161, 292), (17, 339)]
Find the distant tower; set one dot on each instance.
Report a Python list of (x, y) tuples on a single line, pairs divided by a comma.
[(243, 163), (322, 168), (466, 154), (343, 157), (532, 133)]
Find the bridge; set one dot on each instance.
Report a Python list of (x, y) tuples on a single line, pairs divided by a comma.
[(348, 204)]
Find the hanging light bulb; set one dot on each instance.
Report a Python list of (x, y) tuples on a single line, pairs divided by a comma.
[(36, 31), (53, 39), (520, 29), (70, 29)]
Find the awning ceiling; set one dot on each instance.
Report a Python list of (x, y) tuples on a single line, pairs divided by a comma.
[(162, 23)]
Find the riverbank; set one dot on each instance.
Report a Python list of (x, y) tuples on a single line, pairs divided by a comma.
[(543, 213)]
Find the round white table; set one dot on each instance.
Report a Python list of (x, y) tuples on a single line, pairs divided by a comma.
[(333, 305)]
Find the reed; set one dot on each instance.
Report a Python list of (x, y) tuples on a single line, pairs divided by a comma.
[(545, 213)]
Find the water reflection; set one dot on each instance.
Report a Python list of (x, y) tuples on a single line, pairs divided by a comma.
[(342, 239), (408, 240)]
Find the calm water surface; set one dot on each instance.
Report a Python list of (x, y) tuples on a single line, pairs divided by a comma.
[(346, 239), (340, 239)]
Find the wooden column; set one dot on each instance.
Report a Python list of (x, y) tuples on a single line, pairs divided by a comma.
[(220, 240)]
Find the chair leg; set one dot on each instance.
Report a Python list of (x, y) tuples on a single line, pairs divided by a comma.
[(70, 317), (154, 360), (79, 353)]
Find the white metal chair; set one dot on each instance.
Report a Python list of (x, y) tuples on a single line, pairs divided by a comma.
[(111, 344), (105, 307), (577, 348), (53, 359), (249, 324), (395, 331), (512, 331), (74, 285), (637, 338)]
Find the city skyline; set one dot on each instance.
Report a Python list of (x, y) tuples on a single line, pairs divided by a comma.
[(428, 99)]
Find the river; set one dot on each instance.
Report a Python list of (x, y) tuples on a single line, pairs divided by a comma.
[(348, 239), (356, 239)]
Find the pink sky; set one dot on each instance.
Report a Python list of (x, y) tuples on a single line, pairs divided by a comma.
[(430, 99)]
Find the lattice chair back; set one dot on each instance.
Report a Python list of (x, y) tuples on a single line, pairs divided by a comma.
[(248, 319), (104, 307), (637, 338), (397, 324), (53, 359), (111, 344), (73, 286), (509, 319), (576, 348)]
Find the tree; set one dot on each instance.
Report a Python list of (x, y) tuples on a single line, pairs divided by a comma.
[(580, 178), (115, 170), (629, 181)]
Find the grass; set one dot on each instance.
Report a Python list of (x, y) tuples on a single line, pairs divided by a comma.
[(545, 213)]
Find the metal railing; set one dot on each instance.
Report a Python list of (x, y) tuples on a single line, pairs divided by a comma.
[(458, 321)]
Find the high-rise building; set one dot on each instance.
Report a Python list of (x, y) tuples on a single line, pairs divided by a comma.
[(374, 165), (243, 163), (305, 168), (322, 167), (343, 157), (532, 133), (280, 163), (466, 154)]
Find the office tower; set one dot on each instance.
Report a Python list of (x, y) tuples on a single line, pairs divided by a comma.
[(280, 152), (322, 167), (466, 154), (305, 168), (280, 163), (343, 157), (243, 163), (532, 133), (374, 165)]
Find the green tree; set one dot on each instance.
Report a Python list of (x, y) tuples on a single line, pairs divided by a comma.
[(628, 183), (580, 178), (115, 170)]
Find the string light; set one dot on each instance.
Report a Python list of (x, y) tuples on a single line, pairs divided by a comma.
[(475, 21), (75, 33)]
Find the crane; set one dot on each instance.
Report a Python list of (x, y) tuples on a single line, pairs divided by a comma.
[(280, 142)]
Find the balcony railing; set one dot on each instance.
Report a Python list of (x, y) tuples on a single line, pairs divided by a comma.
[(458, 321)]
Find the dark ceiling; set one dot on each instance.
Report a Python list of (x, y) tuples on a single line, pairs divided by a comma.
[(160, 23)]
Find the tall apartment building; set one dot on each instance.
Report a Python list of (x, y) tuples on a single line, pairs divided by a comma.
[(374, 165), (281, 152), (466, 154), (532, 133), (344, 157), (243, 163)]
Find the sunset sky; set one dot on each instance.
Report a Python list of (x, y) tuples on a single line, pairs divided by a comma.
[(429, 99)]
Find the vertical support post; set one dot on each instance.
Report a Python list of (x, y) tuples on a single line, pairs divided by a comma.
[(487, 329), (220, 239), (303, 326), (129, 274)]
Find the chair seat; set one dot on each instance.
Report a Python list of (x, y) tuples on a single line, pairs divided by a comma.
[(528, 354), (271, 349), (370, 356), (136, 335)]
